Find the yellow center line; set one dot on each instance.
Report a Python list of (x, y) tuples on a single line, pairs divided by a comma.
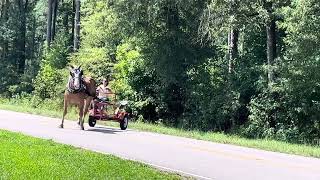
[(256, 159)]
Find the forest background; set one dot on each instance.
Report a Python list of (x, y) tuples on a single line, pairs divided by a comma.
[(249, 67)]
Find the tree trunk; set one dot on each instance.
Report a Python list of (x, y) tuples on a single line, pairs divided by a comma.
[(4, 10), (271, 40), (49, 23), (21, 41), (4, 17), (54, 22), (271, 48), (233, 47), (72, 19), (33, 44), (66, 20), (76, 44)]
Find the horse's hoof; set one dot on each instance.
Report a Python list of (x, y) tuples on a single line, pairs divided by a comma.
[(82, 128), (61, 126)]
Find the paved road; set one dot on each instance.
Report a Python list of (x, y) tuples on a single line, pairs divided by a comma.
[(203, 160)]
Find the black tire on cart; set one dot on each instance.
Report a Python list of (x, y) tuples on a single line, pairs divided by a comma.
[(124, 122), (92, 121)]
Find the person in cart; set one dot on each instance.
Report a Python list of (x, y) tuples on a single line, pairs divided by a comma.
[(104, 93)]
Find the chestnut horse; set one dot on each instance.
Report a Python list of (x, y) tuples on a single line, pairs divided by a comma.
[(80, 92)]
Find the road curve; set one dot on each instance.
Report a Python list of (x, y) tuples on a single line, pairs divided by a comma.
[(200, 159)]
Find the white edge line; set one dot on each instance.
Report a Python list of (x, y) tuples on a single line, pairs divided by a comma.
[(178, 171)]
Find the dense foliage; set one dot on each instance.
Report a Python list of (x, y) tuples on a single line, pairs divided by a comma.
[(249, 67)]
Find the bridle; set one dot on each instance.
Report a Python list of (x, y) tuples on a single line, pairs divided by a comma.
[(75, 83)]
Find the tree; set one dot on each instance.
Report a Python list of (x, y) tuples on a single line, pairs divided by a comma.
[(51, 20), (4, 18), (21, 38), (55, 4), (271, 38), (269, 12), (233, 38), (226, 18), (77, 26)]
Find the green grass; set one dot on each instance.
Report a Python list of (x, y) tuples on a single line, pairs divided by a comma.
[(24, 157), (264, 144)]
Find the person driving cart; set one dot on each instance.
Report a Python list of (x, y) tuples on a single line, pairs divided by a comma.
[(104, 93)]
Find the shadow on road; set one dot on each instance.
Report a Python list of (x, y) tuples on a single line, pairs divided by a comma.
[(106, 130)]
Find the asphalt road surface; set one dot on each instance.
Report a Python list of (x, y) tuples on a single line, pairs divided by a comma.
[(200, 159)]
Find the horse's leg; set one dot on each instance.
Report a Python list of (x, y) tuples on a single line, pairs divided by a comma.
[(79, 119), (65, 108), (81, 116), (86, 106), (84, 109)]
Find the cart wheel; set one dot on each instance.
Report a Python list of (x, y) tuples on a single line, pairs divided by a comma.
[(92, 121), (124, 123)]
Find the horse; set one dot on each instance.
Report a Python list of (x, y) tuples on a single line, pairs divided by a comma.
[(80, 91)]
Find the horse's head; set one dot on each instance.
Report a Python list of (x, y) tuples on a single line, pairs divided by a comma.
[(76, 75)]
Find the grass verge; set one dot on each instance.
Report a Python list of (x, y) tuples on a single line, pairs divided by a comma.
[(24, 157), (264, 144)]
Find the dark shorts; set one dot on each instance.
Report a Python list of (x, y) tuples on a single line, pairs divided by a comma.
[(104, 99)]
